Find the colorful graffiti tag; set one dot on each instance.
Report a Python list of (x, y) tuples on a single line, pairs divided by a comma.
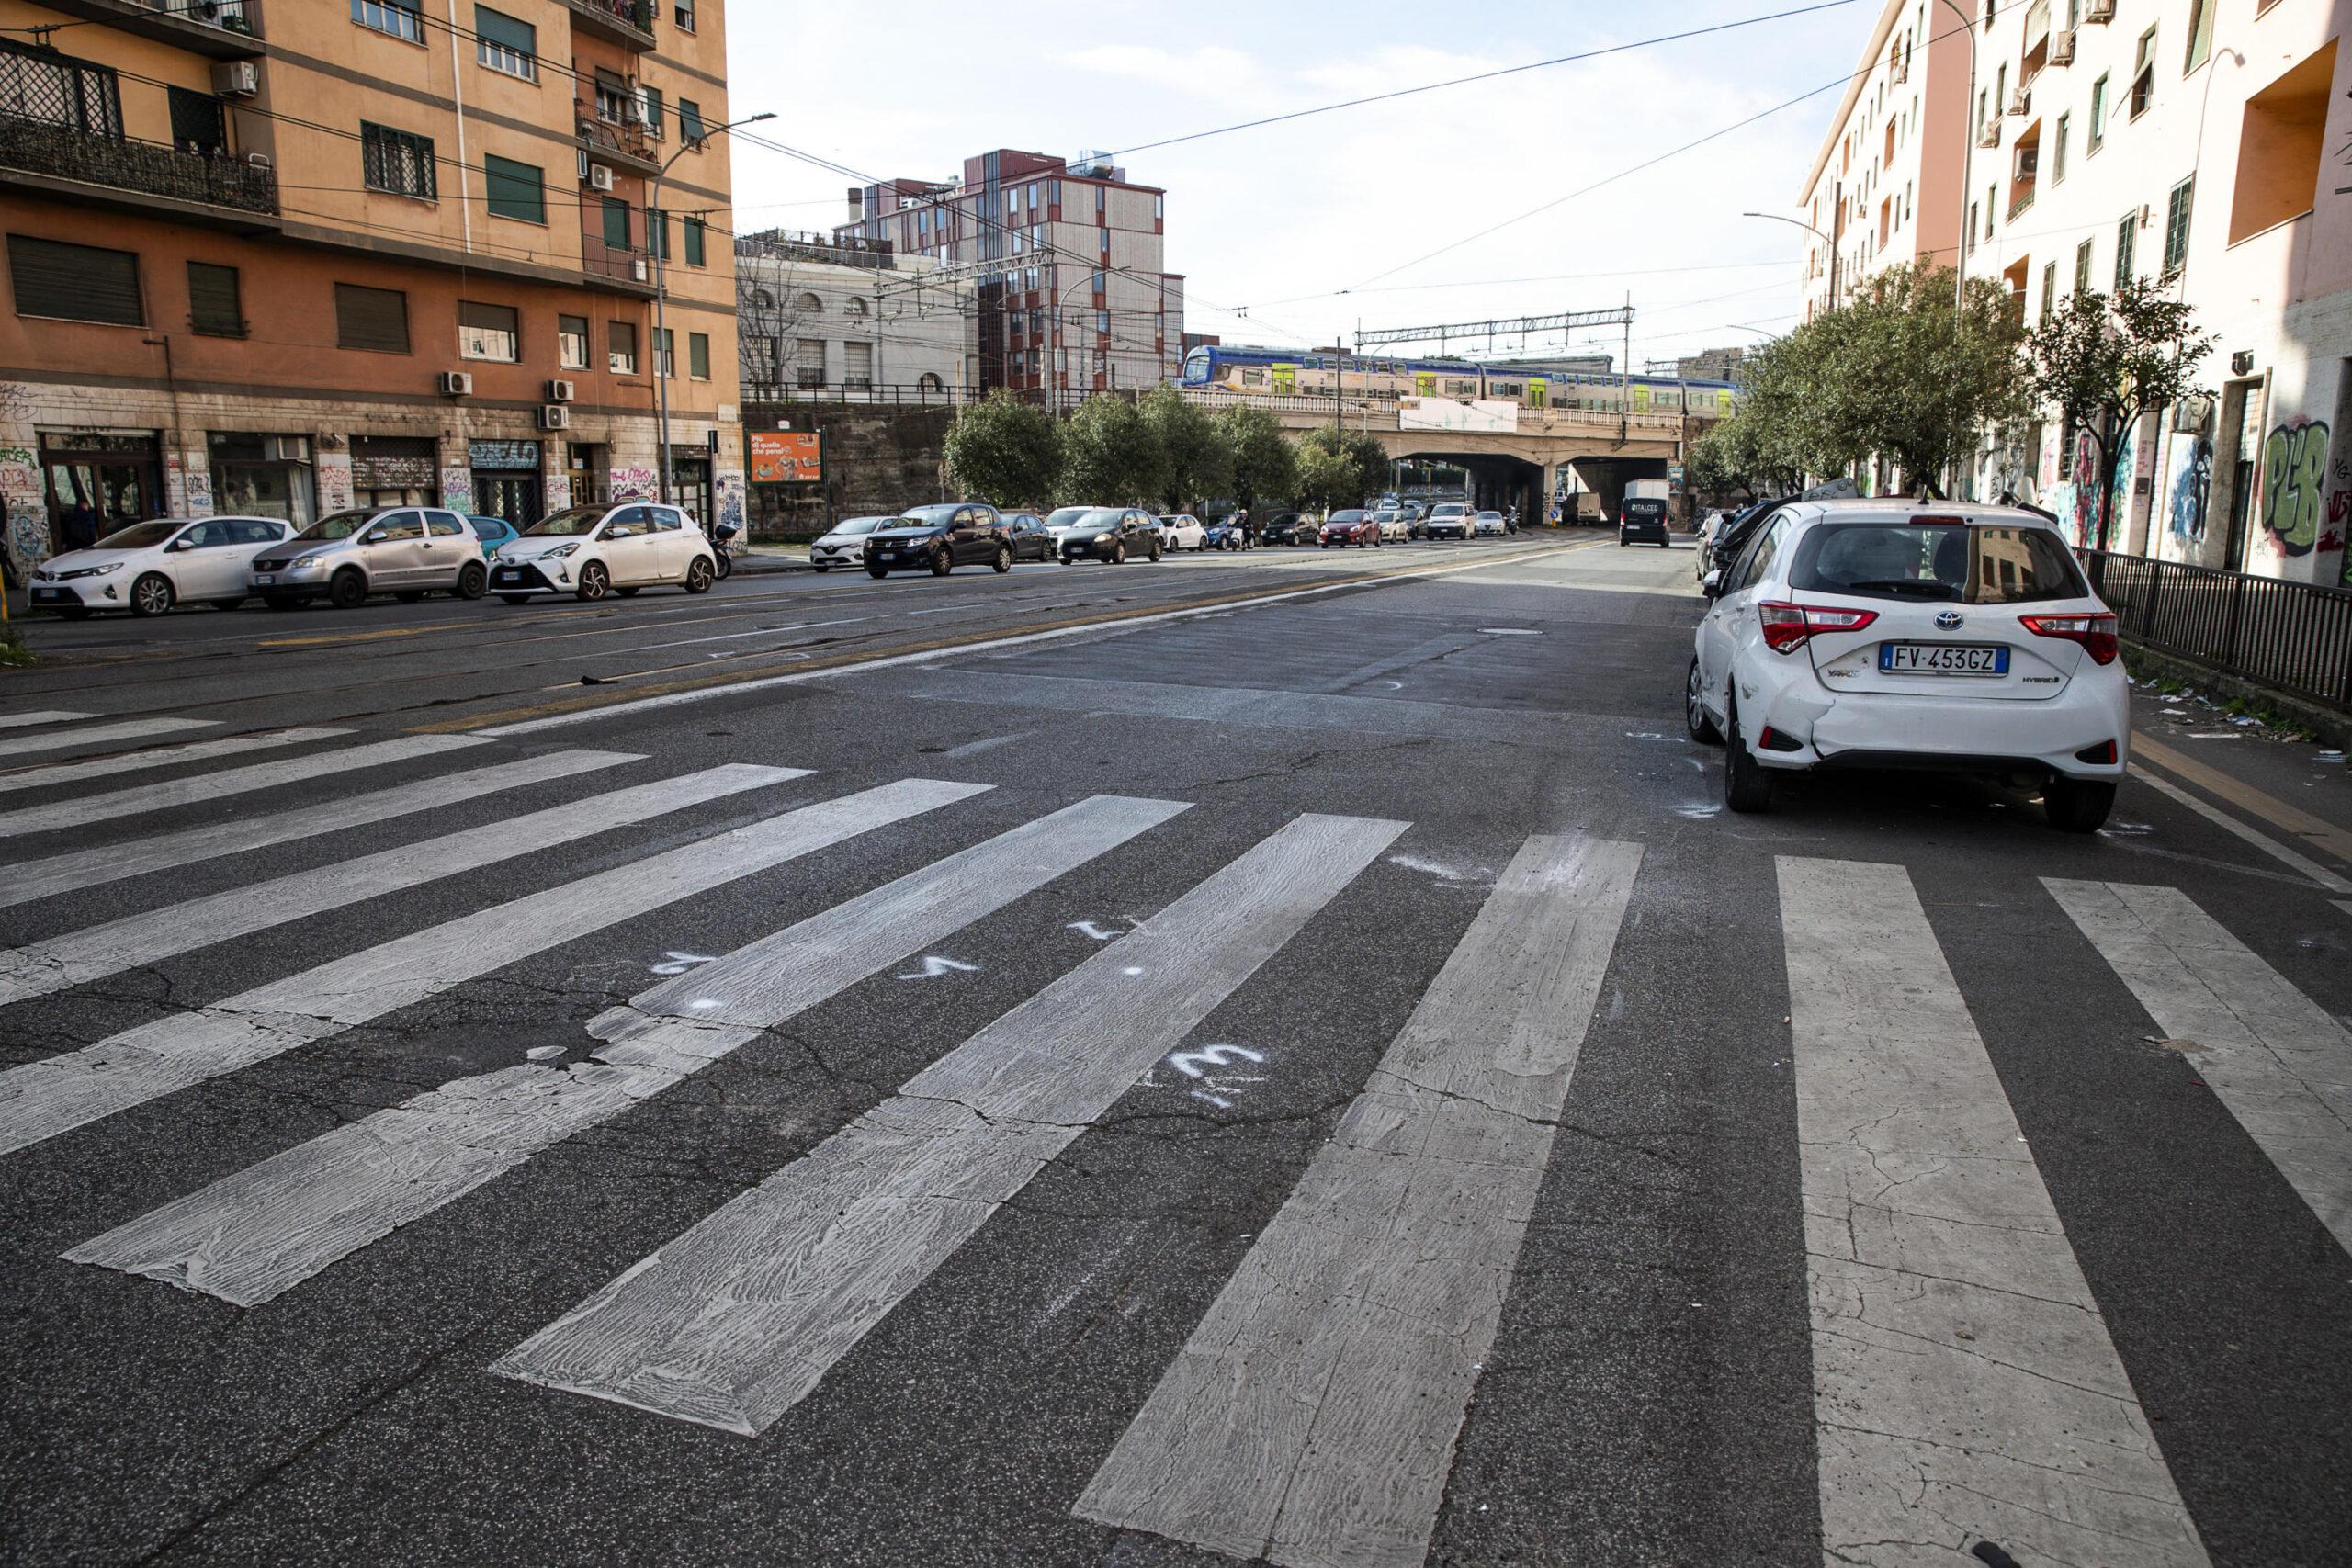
[(2294, 478), (2188, 481)]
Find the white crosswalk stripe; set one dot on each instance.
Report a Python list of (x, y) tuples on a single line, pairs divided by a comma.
[(2280, 1062), (45, 715), (1964, 1385), (1311, 1417), (738, 1319), (76, 958), (242, 835), (253, 1234), (99, 734), (213, 787), (80, 772), (57, 1094)]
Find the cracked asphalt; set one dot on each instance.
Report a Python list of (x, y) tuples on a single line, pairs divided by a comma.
[(1650, 1395)]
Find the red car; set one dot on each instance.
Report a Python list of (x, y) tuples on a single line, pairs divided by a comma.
[(1353, 526)]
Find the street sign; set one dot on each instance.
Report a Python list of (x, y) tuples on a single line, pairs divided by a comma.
[(785, 457), (1674, 475)]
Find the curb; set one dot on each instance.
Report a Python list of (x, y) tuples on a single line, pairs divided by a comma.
[(751, 565), (2327, 725)]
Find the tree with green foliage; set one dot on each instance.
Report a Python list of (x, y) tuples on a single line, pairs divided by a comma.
[(1111, 457), (1366, 459), (1004, 451), (1259, 460), (2103, 361), (1195, 464), (1327, 480)]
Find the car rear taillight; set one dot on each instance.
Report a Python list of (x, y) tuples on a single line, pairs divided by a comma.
[(1786, 626), (2096, 633)]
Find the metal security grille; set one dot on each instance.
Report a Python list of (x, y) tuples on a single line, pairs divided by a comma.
[(56, 89), (400, 161), (375, 318), (75, 283)]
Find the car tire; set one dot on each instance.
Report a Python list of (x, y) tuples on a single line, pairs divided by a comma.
[(701, 572), (348, 589), (1155, 549), (1622, 541), (1003, 558), (877, 572), (1119, 553), (1694, 711), (630, 591), (2077, 806), (1747, 788), (594, 582), (152, 594), (722, 567), (409, 595), (943, 561), (226, 603), (284, 601), (473, 580), (516, 598)]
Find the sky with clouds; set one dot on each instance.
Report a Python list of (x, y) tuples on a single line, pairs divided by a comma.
[(1295, 232)]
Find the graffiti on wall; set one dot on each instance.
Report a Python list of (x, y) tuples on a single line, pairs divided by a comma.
[(730, 486), (457, 488), (2119, 500), (199, 489), (558, 488), (2189, 484), (632, 484), (2294, 482), (27, 540), (334, 475), (2339, 498)]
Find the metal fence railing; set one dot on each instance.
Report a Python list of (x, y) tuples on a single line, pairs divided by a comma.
[(153, 168), (2291, 637)]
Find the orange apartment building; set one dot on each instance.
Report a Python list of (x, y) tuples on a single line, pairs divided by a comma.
[(286, 256)]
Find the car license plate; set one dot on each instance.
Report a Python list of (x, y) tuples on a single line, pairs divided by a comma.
[(508, 574), (49, 595), (264, 580), (1942, 658)]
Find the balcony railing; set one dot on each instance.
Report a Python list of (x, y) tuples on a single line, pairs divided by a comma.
[(622, 143), (225, 30), (626, 22), (622, 264), (148, 168), (2291, 637)]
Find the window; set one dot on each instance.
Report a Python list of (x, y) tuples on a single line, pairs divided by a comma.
[(75, 283), (2049, 292), (1013, 199), (693, 230), (199, 123), (759, 358), (2280, 147), (2058, 149), (2098, 113), (698, 356), (1098, 283), (856, 306), (215, 304), (1102, 321), (55, 89), (489, 331), (857, 364), (399, 162), (649, 108), (809, 305), (2144, 75), (620, 347), (2083, 267), (2177, 225), (507, 44), (2200, 34), (664, 342), (2126, 234), (397, 18), (685, 14), (612, 97), (808, 361), (616, 215), (513, 190), (1990, 193), (1159, 207), (690, 125), (371, 319)]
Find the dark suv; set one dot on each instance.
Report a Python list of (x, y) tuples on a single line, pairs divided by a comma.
[(940, 538)]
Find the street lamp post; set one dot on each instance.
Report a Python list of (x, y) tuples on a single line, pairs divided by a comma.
[(661, 238), (1777, 218), (1961, 242)]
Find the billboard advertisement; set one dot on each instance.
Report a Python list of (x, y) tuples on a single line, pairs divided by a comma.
[(785, 457)]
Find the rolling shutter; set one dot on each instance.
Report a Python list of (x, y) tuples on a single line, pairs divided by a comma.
[(373, 319), (215, 306), (75, 283)]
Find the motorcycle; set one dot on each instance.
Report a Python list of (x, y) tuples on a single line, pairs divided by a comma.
[(722, 545)]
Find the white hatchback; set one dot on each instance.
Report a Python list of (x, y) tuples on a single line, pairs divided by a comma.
[(149, 567), (1889, 634), (590, 551), (844, 543), (1182, 531)]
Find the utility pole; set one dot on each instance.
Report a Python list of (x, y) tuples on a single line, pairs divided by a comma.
[(1625, 378), (657, 234)]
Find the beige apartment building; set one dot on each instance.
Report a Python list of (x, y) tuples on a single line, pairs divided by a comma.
[(284, 256)]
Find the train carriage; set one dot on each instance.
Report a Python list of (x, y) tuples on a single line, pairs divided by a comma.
[(1267, 372)]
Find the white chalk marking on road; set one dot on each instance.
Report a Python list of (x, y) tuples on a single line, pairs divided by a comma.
[(1927, 1221), (1196, 1064), (253, 1234), (676, 962), (158, 756), (48, 716), (737, 1320), (79, 957), (98, 734), (43, 1099), (2259, 840), (974, 748), (2279, 1062), (210, 787), (933, 967), (1091, 931), (1312, 1415), (242, 835), (1510, 631)]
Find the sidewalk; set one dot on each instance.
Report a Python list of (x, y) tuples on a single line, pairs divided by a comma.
[(756, 558), (2297, 793)]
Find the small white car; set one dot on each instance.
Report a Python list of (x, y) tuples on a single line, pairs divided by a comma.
[(149, 567), (1450, 520), (844, 543), (590, 551), (1490, 524), (1889, 634), (1182, 531)]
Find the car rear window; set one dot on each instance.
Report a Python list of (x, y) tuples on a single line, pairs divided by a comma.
[(1968, 565), (1644, 507)]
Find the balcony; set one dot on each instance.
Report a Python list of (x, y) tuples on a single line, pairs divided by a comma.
[(223, 29), (146, 176), (616, 269), (626, 146), (628, 23)]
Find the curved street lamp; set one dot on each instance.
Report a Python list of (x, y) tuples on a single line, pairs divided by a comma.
[(1826, 240), (661, 236)]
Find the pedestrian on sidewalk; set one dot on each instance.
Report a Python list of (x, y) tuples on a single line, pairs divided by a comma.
[(81, 527)]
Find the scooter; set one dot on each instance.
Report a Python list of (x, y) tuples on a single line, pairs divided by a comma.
[(722, 541)]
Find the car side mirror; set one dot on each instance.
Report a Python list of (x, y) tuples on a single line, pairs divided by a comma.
[(620, 531), (1712, 585), (182, 544)]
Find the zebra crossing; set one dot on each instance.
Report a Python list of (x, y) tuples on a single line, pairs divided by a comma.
[(1966, 1385)]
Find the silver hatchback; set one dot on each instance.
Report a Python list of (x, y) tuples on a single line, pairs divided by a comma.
[(408, 551)]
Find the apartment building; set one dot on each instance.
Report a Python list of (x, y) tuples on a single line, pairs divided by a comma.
[(2205, 145), (1886, 187), (851, 320), (286, 256), (1071, 291)]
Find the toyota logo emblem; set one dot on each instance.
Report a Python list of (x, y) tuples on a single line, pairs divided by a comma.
[(1948, 621)]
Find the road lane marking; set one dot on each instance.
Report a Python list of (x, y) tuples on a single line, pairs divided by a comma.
[(251, 1235), (1964, 1385), (2279, 1062), (113, 861), (2313, 833), (210, 787), (737, 1320), (57, 1094), (1311, 1417), (76, 958), (158, 756), (2259, 840), (98, 734), (50, 715)]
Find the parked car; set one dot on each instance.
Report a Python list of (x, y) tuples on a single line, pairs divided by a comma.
[(408, 551), (1351, 525), (1287, 528), (1390, 520), (1641, 519), (491, 532), (1030, 540), (1182, 531), (590, 551), (149, 567), (1724, 546), (1112, 534), (940, 538), (1449, 520), (843, 543), (1060, 519), (1491, 522), (1857, 634), (1230, 534), (1416, 519)]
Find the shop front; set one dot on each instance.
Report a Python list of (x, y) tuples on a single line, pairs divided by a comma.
[(507, 480), (395, 470), (264, 476), (690, 482), (97, 481)]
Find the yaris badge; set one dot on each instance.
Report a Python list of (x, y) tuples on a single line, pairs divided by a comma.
[(1948, 621)]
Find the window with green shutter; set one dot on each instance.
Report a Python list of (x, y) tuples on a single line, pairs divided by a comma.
[(615, 222), (515, 190), (693, 230), (690, 125), (215, 304), (698, 356), (75, 283), (649, 108), (507, 44), (2177, 226)]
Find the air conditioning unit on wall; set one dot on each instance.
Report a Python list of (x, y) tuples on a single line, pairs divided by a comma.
[(637, 269), (2021, 101), (2100, 11), (2061, 47), (555, 417), (236, 78), (456, 384), (600, 177), (561, 391)]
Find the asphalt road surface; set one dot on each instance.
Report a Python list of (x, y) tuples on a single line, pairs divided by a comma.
[(1278, 1056)]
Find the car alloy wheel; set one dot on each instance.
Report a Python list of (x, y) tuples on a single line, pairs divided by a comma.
[(1747, 788), (1004, 557), (942, 561), (594, 580), (152, 594), (1119, 553), (1694, 709), (700, 575)]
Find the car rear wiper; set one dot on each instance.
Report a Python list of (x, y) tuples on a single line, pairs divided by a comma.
[(1908, 585)]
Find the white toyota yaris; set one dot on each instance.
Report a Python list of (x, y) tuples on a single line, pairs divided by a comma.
[(1949, 638)]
